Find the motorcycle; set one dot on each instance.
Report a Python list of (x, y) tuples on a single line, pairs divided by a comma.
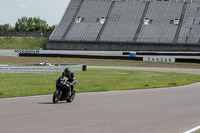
[(63, 91)]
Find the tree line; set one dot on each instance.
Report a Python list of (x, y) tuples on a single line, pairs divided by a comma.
[(25, 24)]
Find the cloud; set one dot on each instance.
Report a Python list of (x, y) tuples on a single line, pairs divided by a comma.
[(23, 6)]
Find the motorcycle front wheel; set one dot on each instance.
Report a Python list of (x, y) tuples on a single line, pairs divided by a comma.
[(71, 98), (56, 96)]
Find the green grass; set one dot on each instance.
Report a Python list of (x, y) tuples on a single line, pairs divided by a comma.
[(14, 85), (22, 42)]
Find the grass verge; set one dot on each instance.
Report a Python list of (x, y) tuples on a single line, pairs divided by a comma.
[(15, 85), (22, 42)]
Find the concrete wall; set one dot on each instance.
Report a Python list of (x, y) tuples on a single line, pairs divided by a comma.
[(108, 46)]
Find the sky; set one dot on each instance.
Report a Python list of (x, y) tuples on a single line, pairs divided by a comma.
[(49, 10)]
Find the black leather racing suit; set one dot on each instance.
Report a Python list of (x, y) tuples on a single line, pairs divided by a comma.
[(71, 79)]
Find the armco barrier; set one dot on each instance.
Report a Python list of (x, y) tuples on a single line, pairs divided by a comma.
[(40, 69)]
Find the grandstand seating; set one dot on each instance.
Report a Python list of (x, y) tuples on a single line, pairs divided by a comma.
[(124, 22), (59, 31), (161, 30), (190, 31), (89, 28)]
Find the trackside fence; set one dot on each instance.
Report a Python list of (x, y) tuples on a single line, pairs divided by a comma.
[(25, 34), (40, 69)]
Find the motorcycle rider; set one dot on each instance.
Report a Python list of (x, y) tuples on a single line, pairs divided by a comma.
[(71, 78)]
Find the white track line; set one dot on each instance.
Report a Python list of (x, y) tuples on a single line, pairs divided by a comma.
[(14, 98), (193, 130)]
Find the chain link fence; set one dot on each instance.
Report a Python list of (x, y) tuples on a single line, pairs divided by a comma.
[(25, 34)]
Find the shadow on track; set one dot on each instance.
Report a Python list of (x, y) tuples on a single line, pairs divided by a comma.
[(51, 103), (45, 103)]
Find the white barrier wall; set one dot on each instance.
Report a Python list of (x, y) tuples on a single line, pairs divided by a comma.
[(39, 69)]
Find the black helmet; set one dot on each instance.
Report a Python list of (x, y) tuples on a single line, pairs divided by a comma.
[(66, 71)]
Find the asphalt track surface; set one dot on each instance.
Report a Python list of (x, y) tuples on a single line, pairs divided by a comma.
[(162, 110)]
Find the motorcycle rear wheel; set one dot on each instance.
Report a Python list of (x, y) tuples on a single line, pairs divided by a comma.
[(56, 96)]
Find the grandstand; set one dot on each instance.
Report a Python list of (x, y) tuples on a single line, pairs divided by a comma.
[(153, 25)]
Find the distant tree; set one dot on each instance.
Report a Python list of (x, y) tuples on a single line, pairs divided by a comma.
[(30, 24), (51, 28), (6, 28), (21, 24), (40, 25)]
